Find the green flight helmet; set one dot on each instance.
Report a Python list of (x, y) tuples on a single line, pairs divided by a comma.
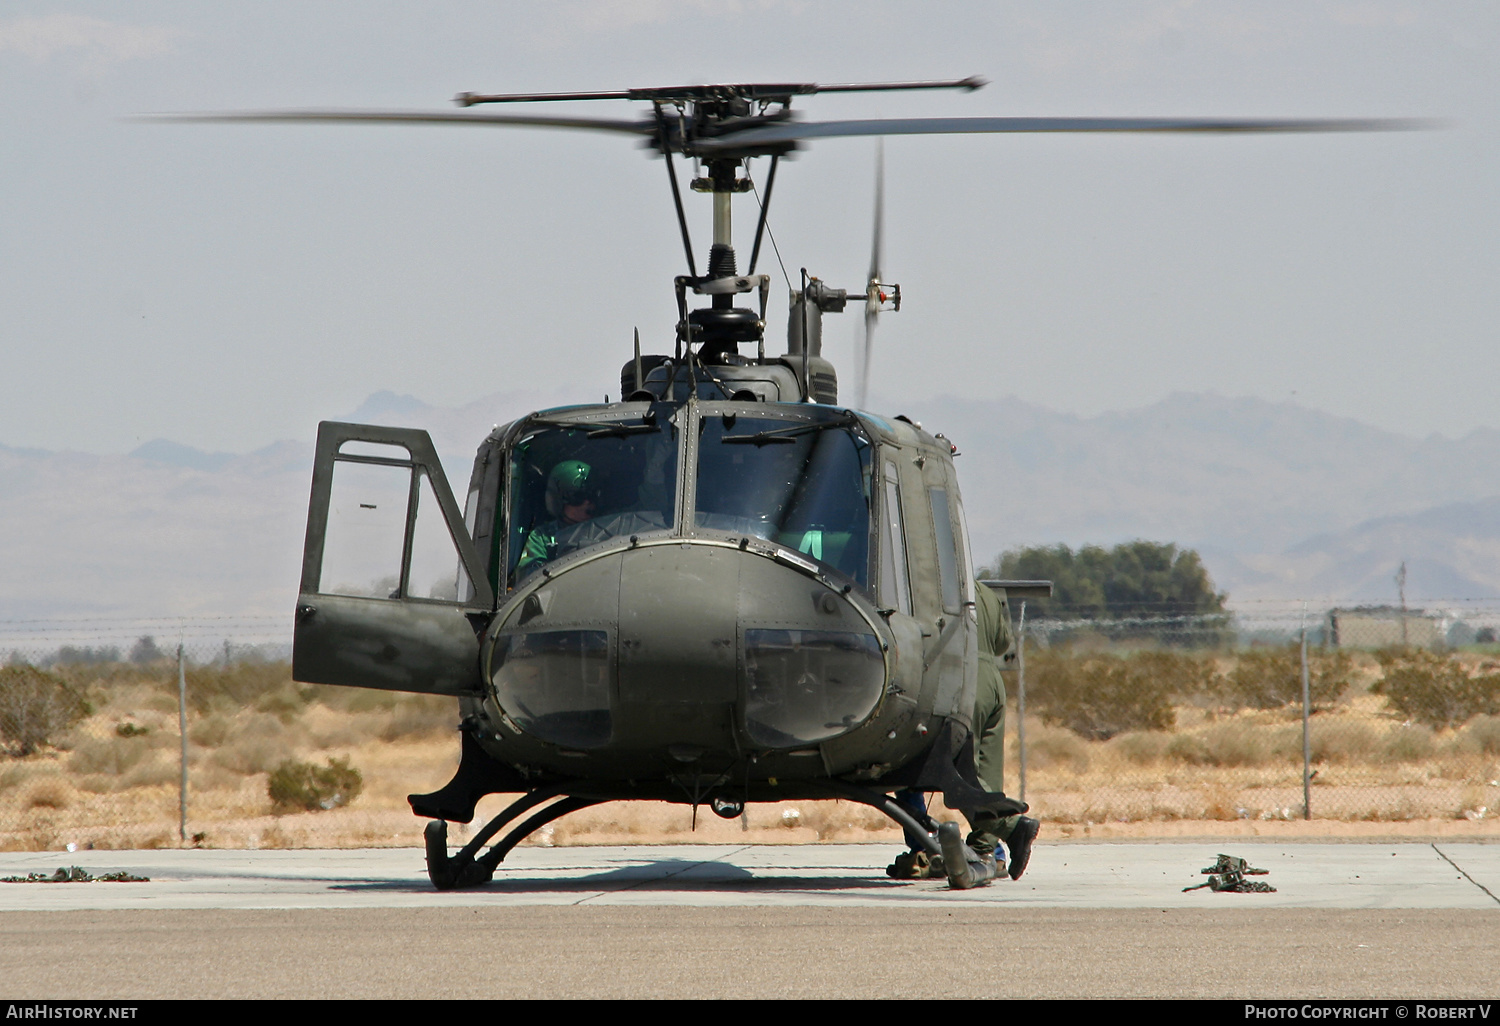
[(568, 485)]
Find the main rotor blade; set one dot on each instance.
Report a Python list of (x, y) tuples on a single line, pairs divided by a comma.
[(792, 131), (628, 127), (742, 90)]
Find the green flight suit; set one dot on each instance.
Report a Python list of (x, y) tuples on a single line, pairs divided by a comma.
[(540, 546), (996, 641)]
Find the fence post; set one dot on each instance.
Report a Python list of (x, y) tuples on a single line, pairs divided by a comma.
[(1021, 695), (182, 732), (1306, 731)]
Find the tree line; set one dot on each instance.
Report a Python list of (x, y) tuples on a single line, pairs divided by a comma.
[(1133, 579)]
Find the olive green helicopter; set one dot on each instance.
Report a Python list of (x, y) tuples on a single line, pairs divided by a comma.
[(726, 588)]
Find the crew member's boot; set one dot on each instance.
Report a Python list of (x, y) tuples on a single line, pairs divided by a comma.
[(915, 865), (1020, 844)]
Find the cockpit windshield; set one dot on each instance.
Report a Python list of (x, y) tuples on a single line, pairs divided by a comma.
[(804, 484), (574, 486)]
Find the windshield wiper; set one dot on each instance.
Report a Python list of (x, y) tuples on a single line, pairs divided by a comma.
[(616, 430), (787, 434)]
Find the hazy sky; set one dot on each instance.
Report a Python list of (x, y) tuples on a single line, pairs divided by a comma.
[(229, 285)]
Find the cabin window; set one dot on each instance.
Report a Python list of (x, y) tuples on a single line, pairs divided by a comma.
[(947, 549), (802, 484), (895, 587), (572, 487)]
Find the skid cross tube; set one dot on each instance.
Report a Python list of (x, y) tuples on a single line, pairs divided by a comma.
[(496, 855), (887, 805), (520, 805)]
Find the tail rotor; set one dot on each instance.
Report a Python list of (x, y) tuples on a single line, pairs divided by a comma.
[(877, 292)]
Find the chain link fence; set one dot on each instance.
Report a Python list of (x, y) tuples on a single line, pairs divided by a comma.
[(132, 734), (1277, 711), (180, 732)]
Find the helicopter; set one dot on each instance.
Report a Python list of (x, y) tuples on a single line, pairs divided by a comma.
[(726, 588)]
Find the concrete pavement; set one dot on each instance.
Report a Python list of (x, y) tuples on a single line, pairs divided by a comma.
[(1365, 921), (1076, 875)]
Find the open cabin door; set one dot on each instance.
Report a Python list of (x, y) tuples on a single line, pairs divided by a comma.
[(392, 590)]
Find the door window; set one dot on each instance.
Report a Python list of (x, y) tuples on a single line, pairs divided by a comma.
[(384, 515), (947, 549), (895, 586)]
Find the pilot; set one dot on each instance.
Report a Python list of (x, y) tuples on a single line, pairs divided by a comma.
[(570, 500), (989, 830)]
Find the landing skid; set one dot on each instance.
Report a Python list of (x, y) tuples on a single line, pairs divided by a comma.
[(468, 868)]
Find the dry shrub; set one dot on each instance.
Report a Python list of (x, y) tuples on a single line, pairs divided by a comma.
[(152, 773), (1223, 804), (1343, 740), (358, 700), (1188, 748), (1409, 744), (14, 774), (1437, 690), (1227, 744), (420, 715), (833, 820), (212, 777), (35, 706), (211, 731), (161, 701), (251, 755), (1048, 747), (1141, 746), (235, 686), (285, 702), (1269, 678), (1098, 696), (1182, 674), (1483, 734), (113, 756), (346, 732), (49, 792), (97, 783), (302, 787)]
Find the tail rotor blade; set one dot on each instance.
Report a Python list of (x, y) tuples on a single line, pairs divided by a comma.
[(865, 352), (872, 284), (875, 245)]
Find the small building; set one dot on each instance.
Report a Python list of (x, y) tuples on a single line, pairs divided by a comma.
[(1385, 627)]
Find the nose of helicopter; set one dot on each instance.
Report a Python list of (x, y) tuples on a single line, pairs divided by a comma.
[(689, 647)]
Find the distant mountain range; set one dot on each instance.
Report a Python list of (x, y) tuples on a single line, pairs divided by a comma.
[(1283, 502)]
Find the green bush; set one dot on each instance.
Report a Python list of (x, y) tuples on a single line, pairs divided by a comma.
[(302, 787), (36, 706), (1269, 678), (1436, 690)]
